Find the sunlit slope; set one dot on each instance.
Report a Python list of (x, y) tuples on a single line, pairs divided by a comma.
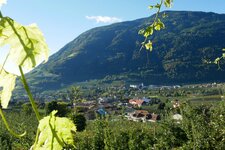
[(178, 54)]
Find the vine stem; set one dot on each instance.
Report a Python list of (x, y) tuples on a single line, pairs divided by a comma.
[(1, 112), (156, 16), (7, 54), (26, 87), (8, 128)]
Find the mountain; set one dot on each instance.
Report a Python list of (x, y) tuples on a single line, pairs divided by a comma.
[(113, 52)]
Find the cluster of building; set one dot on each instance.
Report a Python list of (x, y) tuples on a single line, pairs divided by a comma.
[(142, 86), (131, 108), (142, 116), (207, 85)]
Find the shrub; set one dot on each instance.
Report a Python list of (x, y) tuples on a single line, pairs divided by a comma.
[(60, 107), (27, 108), (79, 120)]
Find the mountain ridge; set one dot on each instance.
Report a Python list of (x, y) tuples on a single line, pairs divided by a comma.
[(113, 50)]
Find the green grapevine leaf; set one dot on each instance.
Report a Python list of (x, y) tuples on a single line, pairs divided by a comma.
[(157, 6), (168, 3), (7, 82), (27, 44), (149, 31), (142, 31), (150, 7), (216, 61), (55, 133), (148, 45), (159, 25)]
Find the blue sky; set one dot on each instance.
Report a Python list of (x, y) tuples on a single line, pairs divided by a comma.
[(62, 21)]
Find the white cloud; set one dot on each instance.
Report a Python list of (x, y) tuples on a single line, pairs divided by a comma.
[(104, 19)]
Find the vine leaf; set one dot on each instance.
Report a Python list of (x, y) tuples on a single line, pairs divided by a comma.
[(159, 25), (158, 6), (27, 49), (151, 7), (216, 61), (149, 31), (168, 3), (148, 45), (54, 133), (7, 83), (27, 44)]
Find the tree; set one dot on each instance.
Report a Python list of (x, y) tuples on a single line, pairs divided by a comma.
[(27, 108), (61, 108), (161, 106), (79, 120), (74, 94)]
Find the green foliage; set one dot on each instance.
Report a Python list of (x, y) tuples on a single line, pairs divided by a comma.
[(5, 141), (122, 140), (218, 60), (148, 46), (61, 108), (54, 133), (27, 50), (98, 142), (139, 140), (49, 107), (74, 94), (79, 120), (27, 108), (7, 82), (168, 3), (201, 128), (18, 121), (157, 24), (27, 44), (161, 106)]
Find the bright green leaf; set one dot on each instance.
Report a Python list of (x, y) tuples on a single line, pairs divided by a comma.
[(150, 7), (27, 44), (55, 133), (157, 6), (223, 55), (216, 61), (142, 31), (7, 83), (149, 31), (168, 3), (148, 45), (223, 49), (159, 25)]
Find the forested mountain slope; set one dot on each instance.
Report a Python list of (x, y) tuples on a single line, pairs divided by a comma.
[(177, 57)]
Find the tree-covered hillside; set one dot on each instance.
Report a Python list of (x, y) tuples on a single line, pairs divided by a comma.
[(179, 54)]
